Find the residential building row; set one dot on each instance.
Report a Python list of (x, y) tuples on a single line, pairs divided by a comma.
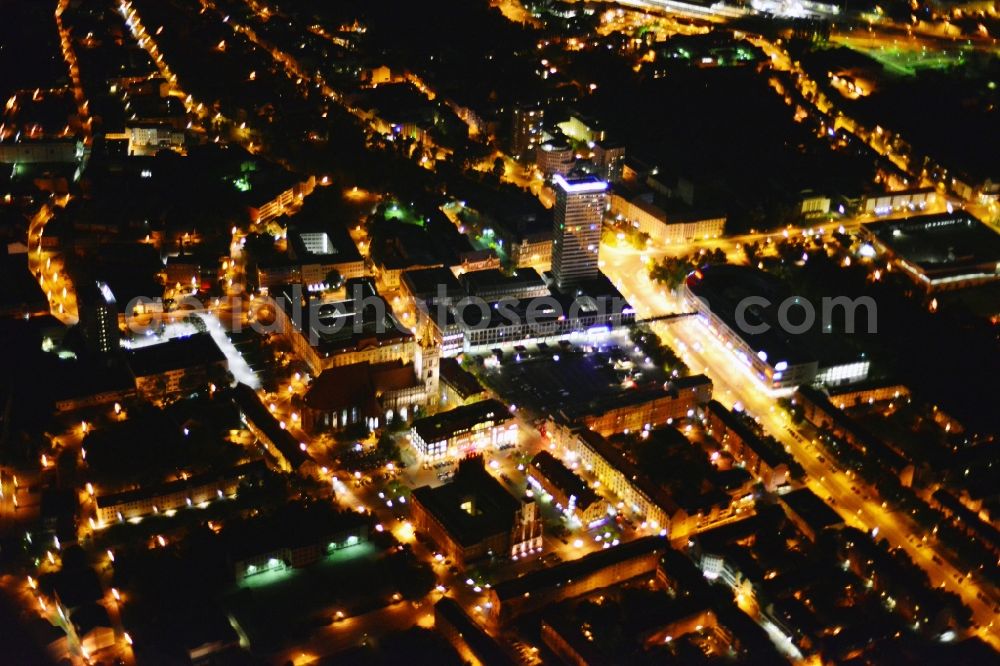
[(570, 494), (512, 598), (184, 492), (746, 446), (818, 410), (638, 495), (639, 410)]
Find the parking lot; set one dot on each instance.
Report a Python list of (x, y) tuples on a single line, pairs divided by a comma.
[(551, 377)]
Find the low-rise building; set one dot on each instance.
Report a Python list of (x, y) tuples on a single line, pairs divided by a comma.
[(427, 288), (662, 227), (289, 454), (814, 204), (274, 273), (518, 322), (458, 385), (465, 430), (532, 249), (581, 127), (199, 270), (472, 643), (268, 199), (395, 109), (493, 285), (525, 235), (938, 252), (818, 410), (867, 393), (91, 386), (620, 477), (294, 536), (321, 250), (41, 151), (469, 261), (369, 393), (743, 307), (150, 138), (884, 203), (92, 627), (569, 640)]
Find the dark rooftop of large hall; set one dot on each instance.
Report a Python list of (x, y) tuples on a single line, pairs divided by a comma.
[(491, 508)]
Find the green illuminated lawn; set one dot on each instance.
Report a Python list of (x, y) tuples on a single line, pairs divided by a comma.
[(909, 62), (402, 214), (904, 60)]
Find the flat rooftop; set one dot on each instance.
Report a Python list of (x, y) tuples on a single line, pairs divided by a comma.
[(940, 245), (478, 282), (473, 506), (445, 424), (322, 243), (256, 413), (637, 396), (733, 422), (573, 377), (724, 287), (186, 352), (254, 468), (425, 283), (484, 646), (618, 461)]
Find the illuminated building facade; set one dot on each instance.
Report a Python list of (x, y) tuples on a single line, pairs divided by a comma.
[(360, 328), (554, 158), (642, 410), (474, 517), (173, 495), (579, 212), (464, 431), (743, 306), (526, 131), (938, 252), (99, 318)]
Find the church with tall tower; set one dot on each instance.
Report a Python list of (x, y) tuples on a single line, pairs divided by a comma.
[(374, 394), (427, 366)]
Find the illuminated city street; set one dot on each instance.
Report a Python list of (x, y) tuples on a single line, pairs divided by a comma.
[(499, 332)]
